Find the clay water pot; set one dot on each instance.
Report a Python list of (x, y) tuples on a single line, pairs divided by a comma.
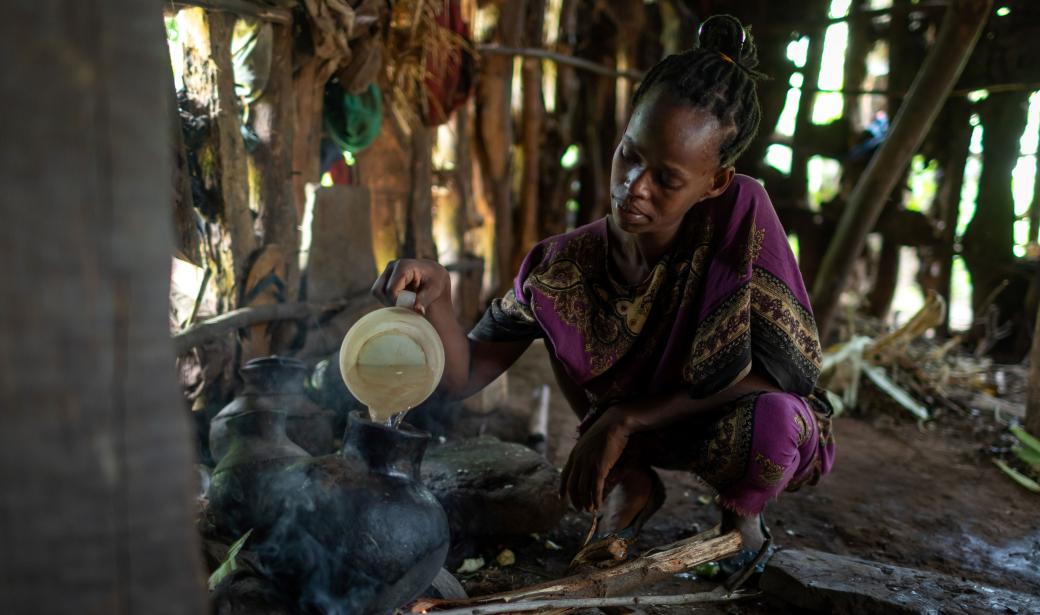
[(392, 359), (277, 384), (249, 485), (364, 535)]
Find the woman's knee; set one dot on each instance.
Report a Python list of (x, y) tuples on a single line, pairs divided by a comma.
[(785, 419)]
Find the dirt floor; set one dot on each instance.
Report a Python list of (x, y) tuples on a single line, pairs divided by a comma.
[(923, 497)]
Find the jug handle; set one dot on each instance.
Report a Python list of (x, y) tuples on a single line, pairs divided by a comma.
[(405, 299)]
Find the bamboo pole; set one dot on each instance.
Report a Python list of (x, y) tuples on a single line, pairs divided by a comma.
[(958, 34)]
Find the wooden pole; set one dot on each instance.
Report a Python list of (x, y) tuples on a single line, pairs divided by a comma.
[(533, 120), (988, 241), (96, 476), (495, 140), (948, 199), (960, 30), (1032, 423)]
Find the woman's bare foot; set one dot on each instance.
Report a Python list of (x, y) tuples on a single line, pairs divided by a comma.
[(750, 528), (630, 495)]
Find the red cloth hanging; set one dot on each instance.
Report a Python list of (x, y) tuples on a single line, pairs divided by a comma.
[(450, 76)]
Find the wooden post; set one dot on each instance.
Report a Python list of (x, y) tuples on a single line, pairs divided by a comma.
[(948, 198), (271, 186), (811, 244), (96, 476), (902, 60), (1032, 424), (958, 34), (989, 239), (531, 136), (495, 139), (210, 88), (309, 89), (272, 116)]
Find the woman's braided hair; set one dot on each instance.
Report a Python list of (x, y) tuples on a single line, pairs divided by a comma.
[(718, 76)]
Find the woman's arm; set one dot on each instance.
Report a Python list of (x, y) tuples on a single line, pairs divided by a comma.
[(658, 411), (601, 446), (469, 365)]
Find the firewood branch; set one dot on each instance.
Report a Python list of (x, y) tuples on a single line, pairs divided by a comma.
[(220, 325), (714, 596), (624, 579)]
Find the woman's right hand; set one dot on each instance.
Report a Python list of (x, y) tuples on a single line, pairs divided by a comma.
[(428, 279)]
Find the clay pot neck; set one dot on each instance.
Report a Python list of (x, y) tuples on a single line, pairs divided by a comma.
[(263, 424), (385, 450), (274, 376)]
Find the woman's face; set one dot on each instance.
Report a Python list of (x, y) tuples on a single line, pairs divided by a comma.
[(667, 162)]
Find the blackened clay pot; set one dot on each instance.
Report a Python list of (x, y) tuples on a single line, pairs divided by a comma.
[(251, 484), (364, 535), (277, 384)]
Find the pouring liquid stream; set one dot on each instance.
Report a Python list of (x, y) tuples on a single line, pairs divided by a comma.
[(390, 391)]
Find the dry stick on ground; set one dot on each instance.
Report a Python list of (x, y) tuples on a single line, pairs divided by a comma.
[(623, 579), (713, 596), (960, 30), (243, 317)]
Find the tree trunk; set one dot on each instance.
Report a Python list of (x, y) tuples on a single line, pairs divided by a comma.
[(96, 477), (221, 157), (957, 36), (989, 239)]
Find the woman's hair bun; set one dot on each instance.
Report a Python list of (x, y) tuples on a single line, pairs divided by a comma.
[(725, 34)]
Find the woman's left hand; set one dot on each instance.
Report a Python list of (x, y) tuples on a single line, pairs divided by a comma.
[(590, 462)]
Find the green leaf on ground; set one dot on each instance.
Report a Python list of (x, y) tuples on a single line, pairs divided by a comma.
[(1018, 477), (229, 564), (1027, 455), (1026, 438)]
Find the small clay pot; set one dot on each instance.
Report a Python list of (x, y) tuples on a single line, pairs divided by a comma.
[(277, 384)]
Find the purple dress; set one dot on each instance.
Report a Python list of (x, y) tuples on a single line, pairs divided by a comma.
[(728, 293)]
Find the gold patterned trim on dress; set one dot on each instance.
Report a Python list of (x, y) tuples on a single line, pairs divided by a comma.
[(756, 237), (723, 458), (727, 325), (774, 302), (513, 308), (772, 473), (803, 429)]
